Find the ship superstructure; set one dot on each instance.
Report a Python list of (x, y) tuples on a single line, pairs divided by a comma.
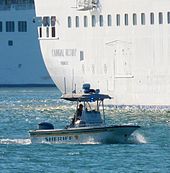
[(121, 47), (20, 56)]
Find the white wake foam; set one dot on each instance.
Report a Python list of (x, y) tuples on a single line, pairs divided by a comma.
[(15, 141), (139, 138)]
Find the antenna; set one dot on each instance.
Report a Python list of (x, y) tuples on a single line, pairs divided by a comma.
[(72, 80), (65, 86)]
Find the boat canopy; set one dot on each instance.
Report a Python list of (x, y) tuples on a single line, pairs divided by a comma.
[(85, 97)]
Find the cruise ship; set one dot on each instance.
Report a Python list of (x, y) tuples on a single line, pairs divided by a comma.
[(20, 56), (119, 46)]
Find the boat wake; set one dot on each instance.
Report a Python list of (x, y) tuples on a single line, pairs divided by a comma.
[(15, 141), (138, 138)]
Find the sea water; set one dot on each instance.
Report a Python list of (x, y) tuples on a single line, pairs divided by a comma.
[(21, 109)]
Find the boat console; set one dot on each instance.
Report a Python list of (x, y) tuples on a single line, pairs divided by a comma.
[(91, 101)]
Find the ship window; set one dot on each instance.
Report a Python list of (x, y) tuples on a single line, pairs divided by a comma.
[(53, 31), (81, 55), (0, 26), (85, 21), (143, 18), (109, 20), (53, 20), (118, 19), (10, 43), (168, 17), (160, 18), (126, 19), (69, 22), (40, 32), (152, 18), (46, 21), (22, 26), (39, 21), (101, 20), (47, 31), (10, 26), (93, 21), (77, 21), (134, 19)]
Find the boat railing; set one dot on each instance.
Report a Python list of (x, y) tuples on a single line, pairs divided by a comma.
[(24, 6), (94, 124), (90, 125), (16, 7), (81, 123)]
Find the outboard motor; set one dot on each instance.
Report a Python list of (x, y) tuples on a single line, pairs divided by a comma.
[(45, 126)]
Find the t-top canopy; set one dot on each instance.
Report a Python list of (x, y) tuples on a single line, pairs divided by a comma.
[(85, 97)]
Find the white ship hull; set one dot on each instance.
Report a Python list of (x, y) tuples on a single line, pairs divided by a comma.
[(129, 61), (21, 59)]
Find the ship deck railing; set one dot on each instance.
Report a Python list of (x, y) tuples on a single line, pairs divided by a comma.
[(16, 7)]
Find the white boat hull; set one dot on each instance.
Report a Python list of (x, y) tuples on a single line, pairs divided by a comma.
[(84, 135)]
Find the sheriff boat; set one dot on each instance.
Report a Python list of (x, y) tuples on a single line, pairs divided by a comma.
[(88, 124)]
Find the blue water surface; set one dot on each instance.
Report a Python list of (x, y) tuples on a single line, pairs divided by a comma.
[(21, 109)]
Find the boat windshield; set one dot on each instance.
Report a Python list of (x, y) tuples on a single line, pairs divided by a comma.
[(92, 106)]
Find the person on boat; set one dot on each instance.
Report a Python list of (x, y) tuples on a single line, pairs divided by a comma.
[(77, 115), (79, 112)]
